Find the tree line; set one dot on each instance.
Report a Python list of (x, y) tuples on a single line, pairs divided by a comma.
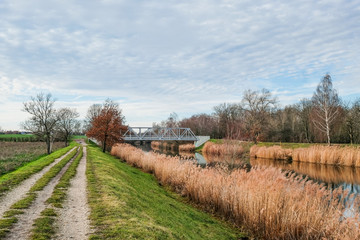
[(258, 117)]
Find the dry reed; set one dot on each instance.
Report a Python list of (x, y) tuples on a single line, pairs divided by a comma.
[(333, 155), (187, 147), (274, 152), (264, 200), (227, 148)]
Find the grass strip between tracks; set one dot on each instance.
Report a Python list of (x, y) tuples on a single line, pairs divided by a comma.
[(127, 203), (44, 225), (10, 216), (12, 179)]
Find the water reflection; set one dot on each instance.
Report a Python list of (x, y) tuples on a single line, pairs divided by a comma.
[(332, 176), (336, 175)]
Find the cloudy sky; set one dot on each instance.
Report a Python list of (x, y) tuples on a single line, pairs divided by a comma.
[(158, 57)]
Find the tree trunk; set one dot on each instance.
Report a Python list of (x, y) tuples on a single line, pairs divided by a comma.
[(48, 145), (104, 144)]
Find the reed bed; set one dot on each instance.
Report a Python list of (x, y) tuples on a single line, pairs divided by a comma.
[(171, 146), (333, 155), (263, 200), (228, 148), (273, 152), (187, 147)]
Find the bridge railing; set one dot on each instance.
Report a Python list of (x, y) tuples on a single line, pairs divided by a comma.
[(159, 134)]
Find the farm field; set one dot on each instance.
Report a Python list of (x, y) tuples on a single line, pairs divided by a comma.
[(18, 137), (15, 154)]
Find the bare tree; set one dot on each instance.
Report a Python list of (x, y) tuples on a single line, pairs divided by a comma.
[(257, 106), (93, 112), (43, 120), (67, 123), (326, 106), (304, 111), (352, 121)]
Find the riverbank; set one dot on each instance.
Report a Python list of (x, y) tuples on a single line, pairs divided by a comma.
[(263, 200), (127, 203), (340, 155)]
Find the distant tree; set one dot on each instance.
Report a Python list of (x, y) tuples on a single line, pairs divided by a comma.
[(229, 117), (108, 125), (43, 120), (67, 124), (258, 106), (304, 111), (326, 106), (352, 121), (171, 122), (93, 112)]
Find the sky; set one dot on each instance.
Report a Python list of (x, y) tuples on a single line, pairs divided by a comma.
[(159, 57)]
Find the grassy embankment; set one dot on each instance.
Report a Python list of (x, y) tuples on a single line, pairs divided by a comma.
[(11, 179), (16, 154), (11, 216), (44, 226), (127, 203), (265, 201)]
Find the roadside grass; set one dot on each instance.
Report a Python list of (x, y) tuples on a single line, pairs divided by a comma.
[(127, 203), (12, 216), (44, 226), (16, 154), (12, 179)]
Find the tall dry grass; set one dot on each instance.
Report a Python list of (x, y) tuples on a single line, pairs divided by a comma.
[(263, 200), (187, 147), (171, 146), (273, 152), (334, 155), (228, 148)]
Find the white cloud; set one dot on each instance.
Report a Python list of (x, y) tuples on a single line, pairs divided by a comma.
[(160, 57)]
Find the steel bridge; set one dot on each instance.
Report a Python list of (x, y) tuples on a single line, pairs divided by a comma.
[(159, 134)]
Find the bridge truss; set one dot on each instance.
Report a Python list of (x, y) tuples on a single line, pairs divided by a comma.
[(159, 134)]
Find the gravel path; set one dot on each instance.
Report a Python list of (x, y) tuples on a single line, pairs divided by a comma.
[(73, 219), (20, 191), (22, 228)]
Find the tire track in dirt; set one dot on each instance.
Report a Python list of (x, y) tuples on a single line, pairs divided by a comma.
[(14, 195), (22, 229), (73, 219)]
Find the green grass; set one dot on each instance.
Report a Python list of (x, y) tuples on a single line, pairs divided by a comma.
[(46, 178), (12, 179), (285, 144), (12, 214), (18, 137), (127, 203), (44, 226), (78, 137), (59, 193)]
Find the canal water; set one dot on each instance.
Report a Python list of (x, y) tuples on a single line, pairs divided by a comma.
[(331, 176)]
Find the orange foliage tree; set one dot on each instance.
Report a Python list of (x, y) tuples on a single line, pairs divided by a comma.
[(107, 126)]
